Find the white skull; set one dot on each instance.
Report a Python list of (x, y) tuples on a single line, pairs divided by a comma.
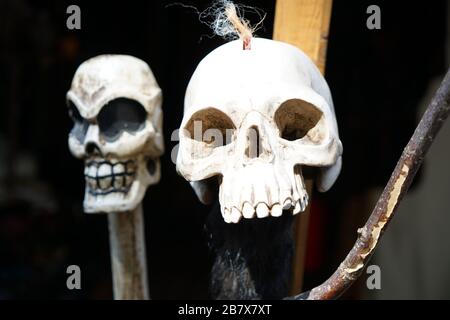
[(273, 100), (115, 103)]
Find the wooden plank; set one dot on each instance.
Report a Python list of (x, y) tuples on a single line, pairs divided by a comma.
[(300, 237), (304, 24)]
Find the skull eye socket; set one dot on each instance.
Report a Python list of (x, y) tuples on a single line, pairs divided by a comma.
[(210, 126), (80, 125), (121, 115), (297, 119)]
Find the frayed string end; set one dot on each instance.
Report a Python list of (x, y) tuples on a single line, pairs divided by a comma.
[(241, 26), (228, 21)]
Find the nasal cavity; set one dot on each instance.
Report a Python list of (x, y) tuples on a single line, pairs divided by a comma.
[(253, 149), (91, 149)]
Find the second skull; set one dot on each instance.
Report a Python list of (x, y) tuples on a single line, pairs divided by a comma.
[(115, 103)]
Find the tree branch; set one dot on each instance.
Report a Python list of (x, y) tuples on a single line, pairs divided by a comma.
[(368, 236)]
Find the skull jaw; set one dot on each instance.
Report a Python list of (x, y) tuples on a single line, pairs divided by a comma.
[(114, 201), (121, 201), (266, 190)]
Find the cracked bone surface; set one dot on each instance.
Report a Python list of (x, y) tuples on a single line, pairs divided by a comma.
[(255, 118), (115, 103)]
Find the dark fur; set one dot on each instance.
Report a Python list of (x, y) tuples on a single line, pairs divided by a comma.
[(252, 258)]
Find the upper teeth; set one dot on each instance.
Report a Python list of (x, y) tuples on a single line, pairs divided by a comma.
[(263, 196), (263, 210), (119, 168), (104, 176)]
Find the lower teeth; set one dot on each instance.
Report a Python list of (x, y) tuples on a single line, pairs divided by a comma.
[(105, 183)]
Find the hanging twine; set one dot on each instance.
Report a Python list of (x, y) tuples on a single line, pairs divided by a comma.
[(241, 26), (226, 19), (229, 23)]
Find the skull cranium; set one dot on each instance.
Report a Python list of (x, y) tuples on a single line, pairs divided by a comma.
[(115, 103), (273, 100)]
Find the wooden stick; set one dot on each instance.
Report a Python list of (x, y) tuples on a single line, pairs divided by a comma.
[(128, 260), (304, 24), (300, 238), (368, 236)]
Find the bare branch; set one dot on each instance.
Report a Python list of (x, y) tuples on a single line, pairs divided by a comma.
[(368, 236)]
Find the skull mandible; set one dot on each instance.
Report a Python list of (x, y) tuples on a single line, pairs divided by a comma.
[(255, 119), (115, 103)]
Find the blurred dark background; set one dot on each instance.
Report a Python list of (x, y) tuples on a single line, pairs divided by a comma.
[(377, 77)]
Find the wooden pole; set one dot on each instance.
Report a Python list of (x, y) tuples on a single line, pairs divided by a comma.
[(128, 257), (300, 236), (304, 24)]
